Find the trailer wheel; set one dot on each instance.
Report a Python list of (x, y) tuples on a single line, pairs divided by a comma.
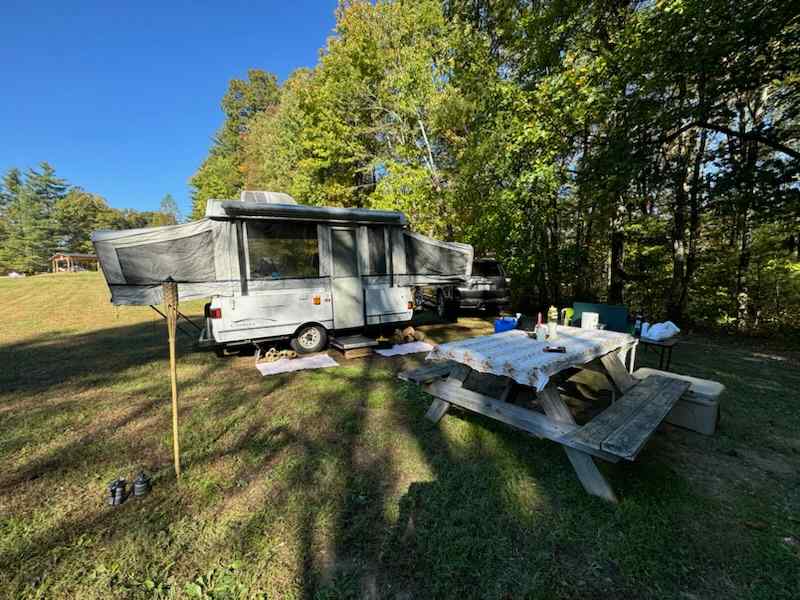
[(451, 310), (309, 338)]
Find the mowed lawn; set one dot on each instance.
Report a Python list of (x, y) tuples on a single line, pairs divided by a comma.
[(331, 484)]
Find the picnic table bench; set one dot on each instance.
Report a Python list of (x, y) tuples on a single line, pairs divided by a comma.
[(477, 375)]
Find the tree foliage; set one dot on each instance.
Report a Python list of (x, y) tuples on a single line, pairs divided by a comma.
[(28, 224), (41, 214), (77, 215), (633, 152), (221, 174)]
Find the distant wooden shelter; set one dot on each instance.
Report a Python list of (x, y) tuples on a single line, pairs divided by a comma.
[(73, 261)]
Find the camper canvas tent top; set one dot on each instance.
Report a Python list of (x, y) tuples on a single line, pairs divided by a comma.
[(274, 268)]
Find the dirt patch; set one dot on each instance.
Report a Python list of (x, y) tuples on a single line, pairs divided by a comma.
[(717, 472)]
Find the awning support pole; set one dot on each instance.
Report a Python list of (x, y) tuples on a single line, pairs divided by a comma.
[(170, 292), (179, 328)]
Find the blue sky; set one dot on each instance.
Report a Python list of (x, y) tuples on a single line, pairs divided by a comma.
[(122, 98)]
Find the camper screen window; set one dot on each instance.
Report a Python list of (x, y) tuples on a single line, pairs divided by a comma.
[(282, 250), (377, 251)]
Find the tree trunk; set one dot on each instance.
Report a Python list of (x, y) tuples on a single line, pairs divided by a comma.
[(747, 164), (694, 214), (583, 244), (684, 257), (742, 295), (682, 190), (554, 257), (617, 284), (674, 308)]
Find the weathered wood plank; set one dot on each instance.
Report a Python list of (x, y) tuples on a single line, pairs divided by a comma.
[(427, 373), (632, 359), (704, 388), (595, 366), (588, 474), (603, 425), (529, 421), (631, 415), (459, 372), (437, 410), (630, 437), (590, 383), (617, 371)]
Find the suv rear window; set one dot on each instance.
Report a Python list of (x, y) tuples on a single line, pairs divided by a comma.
[(486, 268)]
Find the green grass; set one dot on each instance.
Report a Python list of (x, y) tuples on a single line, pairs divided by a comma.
[(330, 484)]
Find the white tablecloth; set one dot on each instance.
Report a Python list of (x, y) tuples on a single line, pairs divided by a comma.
[(516, 355)]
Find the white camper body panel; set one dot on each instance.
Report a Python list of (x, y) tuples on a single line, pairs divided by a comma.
[(386, 304), (277, 314), (269, 314), (348, 295), (271, 268)]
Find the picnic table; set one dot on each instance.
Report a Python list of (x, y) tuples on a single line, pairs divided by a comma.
[(477, 374)]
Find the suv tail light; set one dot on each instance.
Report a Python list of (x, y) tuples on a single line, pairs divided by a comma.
[(215, 313)]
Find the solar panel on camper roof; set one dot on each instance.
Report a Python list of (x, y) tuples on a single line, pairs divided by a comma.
[(266, 197)]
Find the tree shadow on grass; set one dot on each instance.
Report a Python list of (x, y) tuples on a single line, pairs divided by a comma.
[(230, 425), (58, 382), (330, 490), (296, 476), (504, 517), (87, 359), (108, 392)]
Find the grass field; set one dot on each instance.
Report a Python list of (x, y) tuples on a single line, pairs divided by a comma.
[(330, 484)]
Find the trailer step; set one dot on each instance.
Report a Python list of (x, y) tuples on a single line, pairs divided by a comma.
[(354, 346), (349, 342)]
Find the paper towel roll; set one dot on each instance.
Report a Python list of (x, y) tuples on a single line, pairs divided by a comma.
[(589, 320)]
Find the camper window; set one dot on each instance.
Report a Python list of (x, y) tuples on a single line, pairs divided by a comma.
[(282, 250), (377, 250), (345, 253)]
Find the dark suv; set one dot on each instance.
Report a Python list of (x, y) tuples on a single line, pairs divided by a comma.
[(487, 288)]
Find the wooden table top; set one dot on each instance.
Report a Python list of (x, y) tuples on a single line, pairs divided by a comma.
[(516, 355)]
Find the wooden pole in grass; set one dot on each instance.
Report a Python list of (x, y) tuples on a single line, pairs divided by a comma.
[(170, 293)]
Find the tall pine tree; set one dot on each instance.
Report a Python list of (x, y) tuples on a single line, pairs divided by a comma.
[(9, 190), (31, 234)]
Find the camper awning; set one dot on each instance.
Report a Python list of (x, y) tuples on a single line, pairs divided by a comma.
[(302, 212), (201, 256), (209, 257)]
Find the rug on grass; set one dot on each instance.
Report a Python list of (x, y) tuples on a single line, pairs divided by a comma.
[(410, 348), (287, 365)]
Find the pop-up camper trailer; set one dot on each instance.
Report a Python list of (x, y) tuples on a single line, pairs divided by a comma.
[(275, 269)]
